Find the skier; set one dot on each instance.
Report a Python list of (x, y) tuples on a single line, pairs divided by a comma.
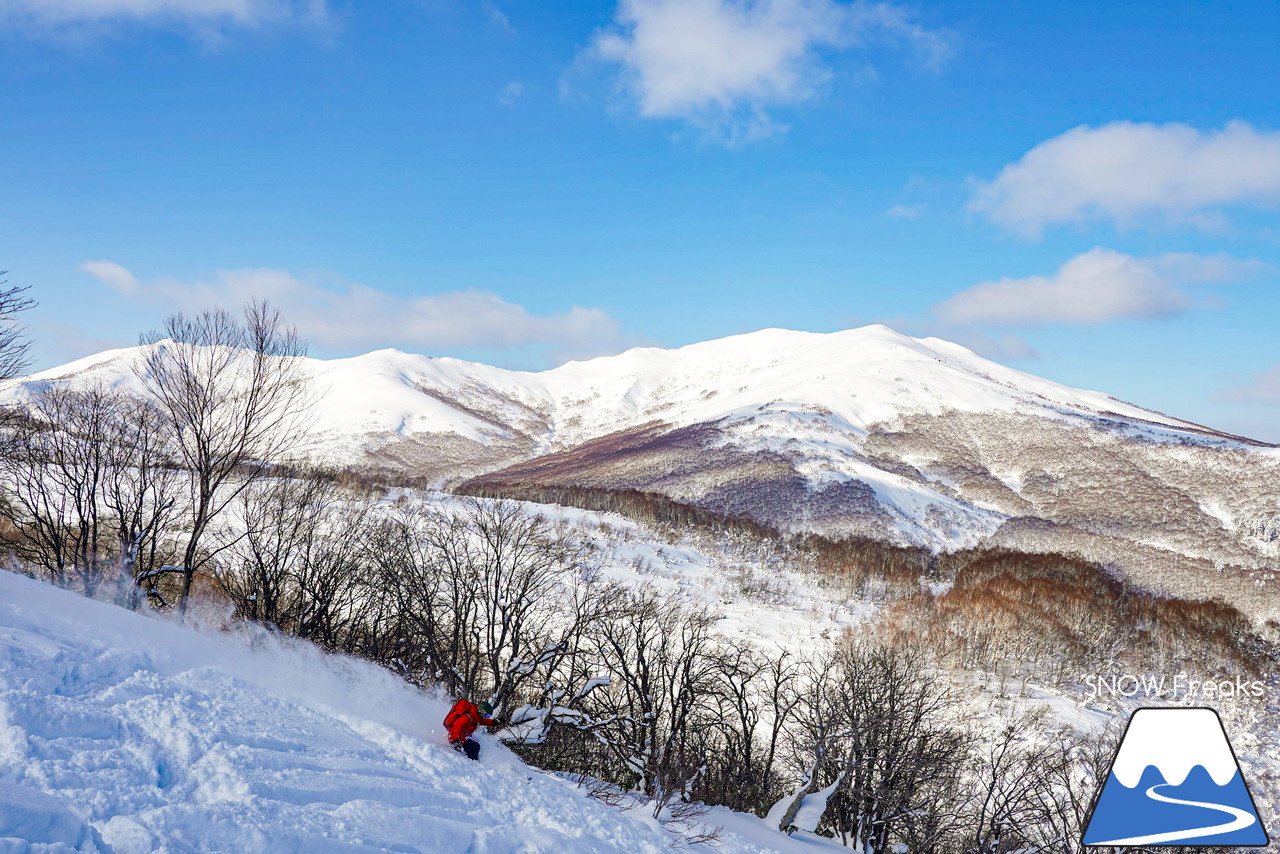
[(462, 721)]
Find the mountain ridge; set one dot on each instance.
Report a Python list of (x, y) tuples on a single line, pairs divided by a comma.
[(864, 432)]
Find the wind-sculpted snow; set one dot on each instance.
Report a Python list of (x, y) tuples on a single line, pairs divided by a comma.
[(126, 734)]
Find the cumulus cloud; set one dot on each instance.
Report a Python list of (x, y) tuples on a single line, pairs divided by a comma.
[(202, 13), (1264, 387), (1134, 174), (1001, 347), (357, 316), (721, 64), (1095, 287)]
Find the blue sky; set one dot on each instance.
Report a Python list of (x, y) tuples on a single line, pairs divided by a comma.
[(1089, 191)]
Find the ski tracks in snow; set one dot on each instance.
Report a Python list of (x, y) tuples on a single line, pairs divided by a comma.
[(121, 734)]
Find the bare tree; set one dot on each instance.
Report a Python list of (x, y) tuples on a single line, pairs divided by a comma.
[(879, 722), (527, 577), (417, 558), (15, 347), (661, 703), (756, 699), (52, 477), (88, 489), (490, 595), (141, 490), (1007, 799), (283, 523), (334, 594), (233, 390), (1073, 768), (299, 564)]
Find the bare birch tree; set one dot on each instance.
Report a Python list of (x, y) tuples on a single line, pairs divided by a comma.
[(233, 390), (88, 488), (299, 566)]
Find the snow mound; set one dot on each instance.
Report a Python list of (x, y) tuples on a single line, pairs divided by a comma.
[(120, 734)]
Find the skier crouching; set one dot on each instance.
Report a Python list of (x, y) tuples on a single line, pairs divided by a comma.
[(462, 721)]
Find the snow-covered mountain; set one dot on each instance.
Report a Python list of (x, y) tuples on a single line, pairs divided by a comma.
[(864, 432)]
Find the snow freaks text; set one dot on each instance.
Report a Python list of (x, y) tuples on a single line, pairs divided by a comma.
[(1177, 686)]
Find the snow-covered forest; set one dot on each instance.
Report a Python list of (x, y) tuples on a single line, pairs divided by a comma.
[(716, 679)]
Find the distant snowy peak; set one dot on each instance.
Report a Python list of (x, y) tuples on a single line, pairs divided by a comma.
[(853, 379), (859, 377), (1174, 741)]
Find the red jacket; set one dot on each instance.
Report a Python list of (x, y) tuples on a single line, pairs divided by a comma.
[(463, 719)]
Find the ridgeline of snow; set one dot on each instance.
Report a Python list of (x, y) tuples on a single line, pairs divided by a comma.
[(121, 734), (1174, 741), (861, 376), (811, 399), (849, 380)]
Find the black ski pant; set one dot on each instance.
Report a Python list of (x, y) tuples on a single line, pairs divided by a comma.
[(469, 746)]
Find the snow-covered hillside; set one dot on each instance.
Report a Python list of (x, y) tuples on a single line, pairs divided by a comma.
[(121, 733), (864, 432), (853, 380)]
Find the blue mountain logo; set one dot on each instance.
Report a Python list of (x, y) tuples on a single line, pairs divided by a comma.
[(1175, 781)]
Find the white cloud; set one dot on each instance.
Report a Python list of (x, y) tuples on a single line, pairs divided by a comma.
[(1006, 347), (1095, 287), (1001, 347), (901, 211), (113, 276), (1134, 174), (721, 63), (1264, 387), (57, 343), (510, 93), (497, 18), (356, 316), (203, 13)]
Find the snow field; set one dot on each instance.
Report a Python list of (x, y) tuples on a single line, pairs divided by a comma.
[(123, 734)]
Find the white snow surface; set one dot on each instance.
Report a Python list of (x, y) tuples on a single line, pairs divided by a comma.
[(814, 805), (1174, 741), (123, 733)]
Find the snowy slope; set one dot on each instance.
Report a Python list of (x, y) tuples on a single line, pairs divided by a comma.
[(862, 376), (121, 733)]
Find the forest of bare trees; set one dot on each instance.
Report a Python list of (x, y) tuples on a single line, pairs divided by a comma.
[(187, 492)]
